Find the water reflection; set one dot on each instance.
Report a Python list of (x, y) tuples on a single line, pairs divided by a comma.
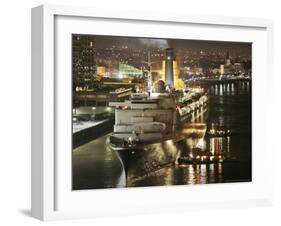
[(180, 175), (230, 89), (229, 117)]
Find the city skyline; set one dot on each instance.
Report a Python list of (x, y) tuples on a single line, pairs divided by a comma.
[(144, 43), (96, 56)]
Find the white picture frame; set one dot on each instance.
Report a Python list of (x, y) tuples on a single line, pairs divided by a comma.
[(52, 197)]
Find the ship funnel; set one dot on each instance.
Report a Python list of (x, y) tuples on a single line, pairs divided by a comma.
[(169, 67)]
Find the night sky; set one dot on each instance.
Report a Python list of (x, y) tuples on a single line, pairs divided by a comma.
[(235, 48)]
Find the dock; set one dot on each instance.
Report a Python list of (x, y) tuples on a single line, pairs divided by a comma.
[(87, 131)]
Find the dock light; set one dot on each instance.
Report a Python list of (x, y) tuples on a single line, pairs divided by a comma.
[(94, 108), (108, 108)]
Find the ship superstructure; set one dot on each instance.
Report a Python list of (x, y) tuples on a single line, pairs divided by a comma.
[(147, 118)]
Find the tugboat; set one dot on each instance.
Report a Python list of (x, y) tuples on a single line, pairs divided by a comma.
[(147, 133)]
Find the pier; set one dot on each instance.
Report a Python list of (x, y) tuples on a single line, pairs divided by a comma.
[(91, 131)]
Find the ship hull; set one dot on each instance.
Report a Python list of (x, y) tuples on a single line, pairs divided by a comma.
[(142, 159)]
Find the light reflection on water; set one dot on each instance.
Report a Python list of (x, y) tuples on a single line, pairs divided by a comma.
[(189, 174), (230, 109), (232, 88)]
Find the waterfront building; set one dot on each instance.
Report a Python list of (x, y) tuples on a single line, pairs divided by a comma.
[(222, 69), (103, 96), (126, 70), (101, 71)]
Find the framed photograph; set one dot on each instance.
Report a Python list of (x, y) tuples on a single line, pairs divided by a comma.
[(137, 112)]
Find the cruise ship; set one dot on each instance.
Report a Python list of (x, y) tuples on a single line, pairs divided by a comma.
[(150, 127)]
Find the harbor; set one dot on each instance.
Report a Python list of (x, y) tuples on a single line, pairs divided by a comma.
[(146, 127), (233, 163)]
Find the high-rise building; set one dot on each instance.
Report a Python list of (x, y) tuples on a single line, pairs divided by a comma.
[(101, 71), (83, 60)]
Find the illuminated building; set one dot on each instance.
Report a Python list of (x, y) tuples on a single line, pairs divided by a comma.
[(103, 96), (83, 51), (221, 69), (126, 71), (83, 60), (101, 71)]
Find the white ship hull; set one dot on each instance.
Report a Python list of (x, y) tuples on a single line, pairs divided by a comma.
[(148, 155)]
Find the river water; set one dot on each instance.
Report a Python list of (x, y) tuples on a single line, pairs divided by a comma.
[(96, 166)]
